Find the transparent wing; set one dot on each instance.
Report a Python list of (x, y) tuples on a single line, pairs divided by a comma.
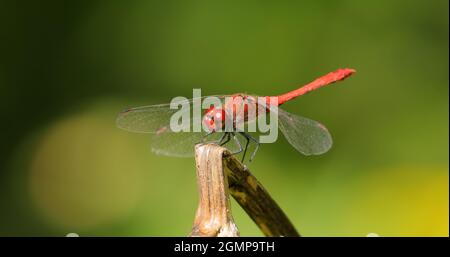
[(309, 137), (182, 144), (146, 119), (176, 144), (154, 118)]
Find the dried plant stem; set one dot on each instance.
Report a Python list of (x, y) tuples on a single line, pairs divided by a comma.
[(219, 174)]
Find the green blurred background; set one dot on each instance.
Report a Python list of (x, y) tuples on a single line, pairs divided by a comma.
[(68, 67)]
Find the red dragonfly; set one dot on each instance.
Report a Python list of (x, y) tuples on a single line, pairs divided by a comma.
[(305, 135)]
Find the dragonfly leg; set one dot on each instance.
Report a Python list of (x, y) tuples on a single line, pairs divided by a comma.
[(205, 136), (246, 145), (237, 142), (221, 139), (227, 134), (249, 137), (218, 141)]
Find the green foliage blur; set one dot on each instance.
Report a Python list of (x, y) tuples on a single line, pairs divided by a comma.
[(67, 68)]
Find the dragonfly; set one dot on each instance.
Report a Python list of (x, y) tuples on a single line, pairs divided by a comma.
[(307, 136)]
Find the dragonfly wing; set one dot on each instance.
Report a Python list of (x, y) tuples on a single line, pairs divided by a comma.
[(307, 136), (146, 119), (180, 144), (176, 144), (156, 118)]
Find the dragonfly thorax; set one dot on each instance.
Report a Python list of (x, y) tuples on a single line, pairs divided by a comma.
[(238, 109)]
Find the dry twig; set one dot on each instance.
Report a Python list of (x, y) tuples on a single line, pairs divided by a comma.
[(219, 173)]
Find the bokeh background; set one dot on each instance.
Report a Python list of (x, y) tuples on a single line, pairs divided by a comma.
[(68, 67)]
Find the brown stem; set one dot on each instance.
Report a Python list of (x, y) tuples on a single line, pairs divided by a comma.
[(213, 217)]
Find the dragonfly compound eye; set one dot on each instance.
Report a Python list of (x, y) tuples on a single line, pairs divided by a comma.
[(213, 119)]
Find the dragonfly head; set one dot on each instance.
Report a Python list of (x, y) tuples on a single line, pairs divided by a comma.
[(214, 119)]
